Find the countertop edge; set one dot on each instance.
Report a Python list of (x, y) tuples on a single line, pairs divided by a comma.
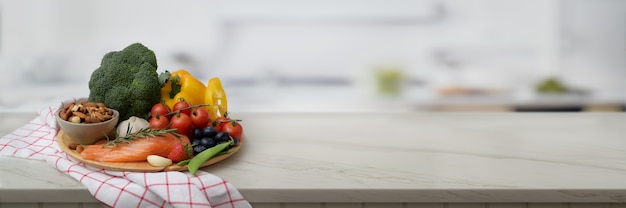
[(359, 196), (46, 195), (435, 195)]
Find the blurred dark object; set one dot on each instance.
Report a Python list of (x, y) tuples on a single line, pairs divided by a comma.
[(572, 108)]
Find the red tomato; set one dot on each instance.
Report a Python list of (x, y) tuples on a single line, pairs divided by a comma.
[(160, 109), (200, 117), (235, 131), (219, 122), (159, 122), (182, 123), (183, 106)]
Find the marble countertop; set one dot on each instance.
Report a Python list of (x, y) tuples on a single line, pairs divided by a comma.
[(393, 157)]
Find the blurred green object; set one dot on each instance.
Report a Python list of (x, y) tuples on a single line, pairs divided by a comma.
[(551, 85), (389, 80)]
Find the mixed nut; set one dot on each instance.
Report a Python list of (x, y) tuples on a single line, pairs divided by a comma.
[(74, 146), (83, 111)]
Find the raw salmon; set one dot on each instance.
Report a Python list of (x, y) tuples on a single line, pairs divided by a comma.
[(136, 151)]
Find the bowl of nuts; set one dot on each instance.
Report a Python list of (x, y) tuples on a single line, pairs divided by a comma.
[(87, 122)]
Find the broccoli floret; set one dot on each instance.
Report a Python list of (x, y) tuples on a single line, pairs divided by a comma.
[(127, 81)]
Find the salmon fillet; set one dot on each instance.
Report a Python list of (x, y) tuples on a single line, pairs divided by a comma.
[(136, 151)]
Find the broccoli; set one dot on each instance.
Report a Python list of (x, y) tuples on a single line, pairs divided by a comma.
[(127, 81)]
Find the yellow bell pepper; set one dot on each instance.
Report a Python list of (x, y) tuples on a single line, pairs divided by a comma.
[(183, 85), (165, 92), (215, 96)]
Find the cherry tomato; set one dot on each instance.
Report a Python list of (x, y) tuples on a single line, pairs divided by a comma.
[(159, 122), (182, 123), (160, 109), (182, 104), (200, 118), (219, 122), (235, 131)]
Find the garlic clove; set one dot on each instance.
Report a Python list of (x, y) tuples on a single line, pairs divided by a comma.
[(158, 161)]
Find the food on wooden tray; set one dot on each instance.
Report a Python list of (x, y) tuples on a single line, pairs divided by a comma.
[(86, 122), (159, 115), (135, 147), (207, 154), (131, 125), (216, 98), (180, 152), (83, 111), (181, 85), (127, 81), (158, 161)]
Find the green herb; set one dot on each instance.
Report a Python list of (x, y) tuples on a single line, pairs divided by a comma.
[(147, 133)]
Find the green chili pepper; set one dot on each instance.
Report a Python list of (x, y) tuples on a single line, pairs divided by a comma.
[(196, 161)]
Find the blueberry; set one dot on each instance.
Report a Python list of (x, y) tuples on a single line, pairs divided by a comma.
[(198, 149), (209, 132), (197, 133), (207, 142), (222, 137), (196, 141)]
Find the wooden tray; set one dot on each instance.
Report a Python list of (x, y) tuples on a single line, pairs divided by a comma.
[(63, 140)]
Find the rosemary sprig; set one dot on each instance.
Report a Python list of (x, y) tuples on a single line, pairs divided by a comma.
[(146, 132)]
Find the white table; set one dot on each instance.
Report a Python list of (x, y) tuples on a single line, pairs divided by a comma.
[(393, 160)]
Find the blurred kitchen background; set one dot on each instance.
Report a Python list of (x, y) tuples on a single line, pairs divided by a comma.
[(332, 55)]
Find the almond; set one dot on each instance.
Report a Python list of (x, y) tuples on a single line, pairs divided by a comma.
[(63, 115), (72, 146), (90, 105), (79, 114), (79, 149), (99, 116), (101, 105)]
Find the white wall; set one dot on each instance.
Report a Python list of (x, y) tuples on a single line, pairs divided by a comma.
[(492, 41), (594, 44), (484, 43)]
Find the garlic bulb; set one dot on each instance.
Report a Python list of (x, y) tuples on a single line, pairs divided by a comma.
[(131, 125)]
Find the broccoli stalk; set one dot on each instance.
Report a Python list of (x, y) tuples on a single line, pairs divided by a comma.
[(127, 81)]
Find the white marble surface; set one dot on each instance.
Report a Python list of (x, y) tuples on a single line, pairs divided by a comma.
[(401, 157)]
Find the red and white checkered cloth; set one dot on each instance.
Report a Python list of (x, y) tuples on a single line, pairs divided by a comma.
[(36, 140)]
